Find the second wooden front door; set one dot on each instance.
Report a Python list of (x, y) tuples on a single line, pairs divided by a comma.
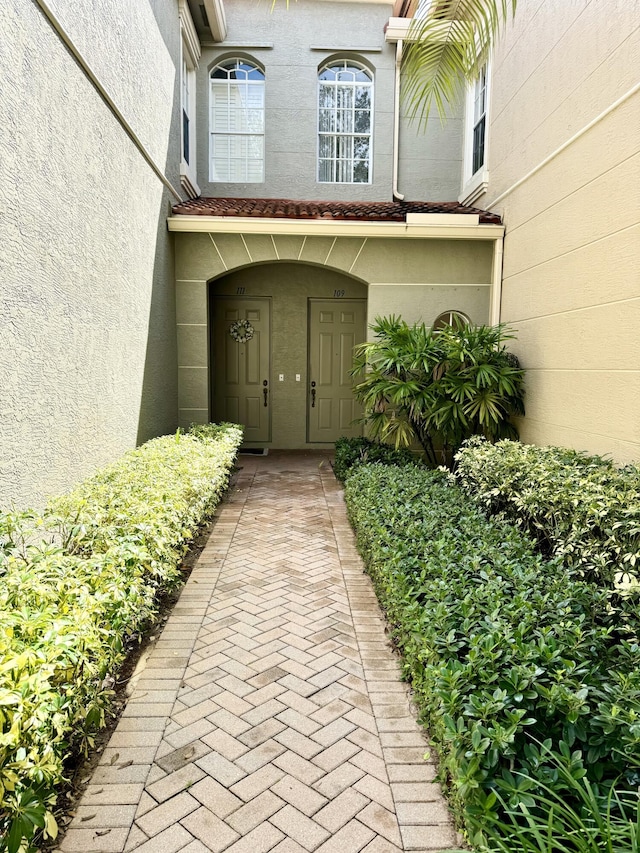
[(335, 327)]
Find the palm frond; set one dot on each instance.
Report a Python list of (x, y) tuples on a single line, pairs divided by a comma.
[(445, 49)]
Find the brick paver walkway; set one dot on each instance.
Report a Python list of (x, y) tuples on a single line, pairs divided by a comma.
[(269, 715)]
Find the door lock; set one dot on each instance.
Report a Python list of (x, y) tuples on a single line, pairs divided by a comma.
[(313, 395), (265, 390)]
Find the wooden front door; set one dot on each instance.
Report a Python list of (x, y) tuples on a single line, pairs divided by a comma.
[(335, 327), (242, 369)]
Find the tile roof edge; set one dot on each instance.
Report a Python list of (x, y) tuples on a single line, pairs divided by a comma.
[(303, 209)]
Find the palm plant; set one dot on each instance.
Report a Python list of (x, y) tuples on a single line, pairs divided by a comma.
[(437, 388), (445, 49)]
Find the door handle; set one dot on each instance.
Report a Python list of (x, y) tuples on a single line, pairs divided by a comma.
[(265, 391), (313, 395)]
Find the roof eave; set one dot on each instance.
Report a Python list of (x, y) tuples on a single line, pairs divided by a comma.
[(217, 19), (437, 230)]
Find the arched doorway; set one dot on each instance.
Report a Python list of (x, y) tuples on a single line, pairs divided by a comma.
[(281, 342)]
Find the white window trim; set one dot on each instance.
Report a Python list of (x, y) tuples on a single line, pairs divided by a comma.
[(475, 184), (450, 314), (221, 62), (366, 68), (190, 52)]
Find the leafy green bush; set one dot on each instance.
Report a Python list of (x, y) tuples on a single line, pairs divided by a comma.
[(538, 818), (351, 452), (437, 388), (77, 582), (506, 651), (579, 507)]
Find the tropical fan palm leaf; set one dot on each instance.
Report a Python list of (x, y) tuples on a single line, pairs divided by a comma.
[(437, 388), (445, 49)]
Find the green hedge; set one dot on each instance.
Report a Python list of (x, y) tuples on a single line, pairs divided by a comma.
[(351, 452), (512, 657), (580, 507), (77, 583)]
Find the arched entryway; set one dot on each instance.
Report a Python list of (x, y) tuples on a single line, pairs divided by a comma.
[(281, 343), (415, 271)]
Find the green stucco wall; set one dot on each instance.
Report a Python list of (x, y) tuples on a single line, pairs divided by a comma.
[(416, 278), (422, 303)]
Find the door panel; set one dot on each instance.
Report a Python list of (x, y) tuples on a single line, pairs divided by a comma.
[(335, 327), (347, 343), (347, 414), (325, 368), (241, 368)]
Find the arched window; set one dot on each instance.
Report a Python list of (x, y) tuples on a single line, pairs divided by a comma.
[(345, 113), (450, 318), (237, 122)]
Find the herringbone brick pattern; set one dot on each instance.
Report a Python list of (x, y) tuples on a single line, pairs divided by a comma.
[(269, 715)]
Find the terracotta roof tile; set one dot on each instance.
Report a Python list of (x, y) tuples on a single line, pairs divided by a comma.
[(358, 211)]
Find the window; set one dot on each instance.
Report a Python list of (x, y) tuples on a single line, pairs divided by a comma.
[(475, 177), (189, 57), (479, 120), (187, 87), (450, 318), (237, 122), (345, 110)]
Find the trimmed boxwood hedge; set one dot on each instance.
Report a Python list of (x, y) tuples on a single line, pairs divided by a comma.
[(75, 584), (511, 656), (351, 452)]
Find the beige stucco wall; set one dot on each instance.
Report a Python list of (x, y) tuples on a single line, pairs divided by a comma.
[(87, 355), (572, 246), (417, 278)]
